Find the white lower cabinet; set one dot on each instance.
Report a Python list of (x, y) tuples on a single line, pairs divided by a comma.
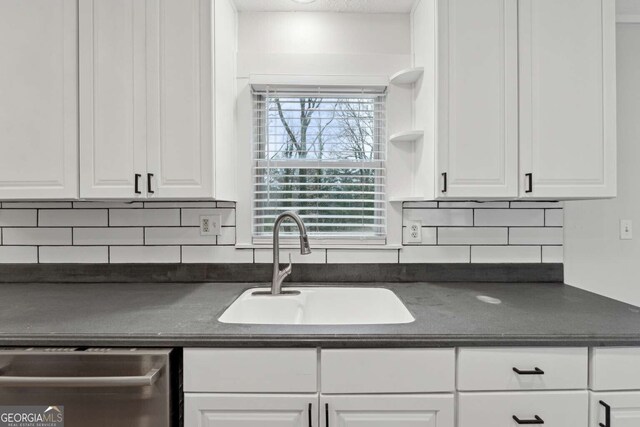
[(422, 410), (615, 409), (508, 409), (466, 387), (250, 410)]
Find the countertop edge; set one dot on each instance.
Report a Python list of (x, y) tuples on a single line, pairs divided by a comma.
[(325, 341)]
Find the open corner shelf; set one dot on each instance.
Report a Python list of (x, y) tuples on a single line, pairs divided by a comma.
[(406, 136), (407, 76)]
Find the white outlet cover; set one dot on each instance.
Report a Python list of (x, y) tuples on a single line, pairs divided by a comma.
[(414, 234), (214, 225), (626, 229)]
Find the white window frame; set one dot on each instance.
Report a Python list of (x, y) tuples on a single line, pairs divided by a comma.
[(347, 241)]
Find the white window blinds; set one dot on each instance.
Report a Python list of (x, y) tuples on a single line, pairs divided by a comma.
[(322, 154)]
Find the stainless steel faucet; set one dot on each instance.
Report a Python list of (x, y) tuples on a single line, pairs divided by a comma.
[(280, 275)]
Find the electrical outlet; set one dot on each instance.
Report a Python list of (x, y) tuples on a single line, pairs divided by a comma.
[(414, 234), (626, 229), (210, 225)]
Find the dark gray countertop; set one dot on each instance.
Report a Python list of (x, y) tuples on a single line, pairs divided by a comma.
[(185, 314)]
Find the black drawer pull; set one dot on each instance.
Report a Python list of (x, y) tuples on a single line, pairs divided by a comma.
[(536, 371), (326, 414), (310, 411), (529, 178), (607, 415), (149, 178), (536, 420), (137, 184)]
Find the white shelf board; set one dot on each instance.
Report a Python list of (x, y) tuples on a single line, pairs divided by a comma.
[(407, 76), (406, 136)]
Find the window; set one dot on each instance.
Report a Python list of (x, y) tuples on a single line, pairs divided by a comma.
[(322, 154)]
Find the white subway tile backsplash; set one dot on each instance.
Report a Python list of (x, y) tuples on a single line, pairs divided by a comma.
[(18, 217), (216, 255), (108, 236), (509, 217), (317, 256), (203, 204), (535, 236), (144, 217), (107, 205), (472, 236), (144, 254), (429, 236), (554, 218), (73, 218), (36, 236), (439, 217), (434, 254), (506, 254), (486, 205), (177, 236), (191, 217), (363, 256), (74, 254), (168, 232), (18, 254), (36, 205), (228, 236), (536, 205), (553, 254)]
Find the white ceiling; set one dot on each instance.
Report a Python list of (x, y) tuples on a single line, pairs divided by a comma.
[(348, 6)]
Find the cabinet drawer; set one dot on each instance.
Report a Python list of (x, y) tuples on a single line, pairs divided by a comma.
[(615, 368), (387, 371), (490, 369), (554, 408), (250, 370)]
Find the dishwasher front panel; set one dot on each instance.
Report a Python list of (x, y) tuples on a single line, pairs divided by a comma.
[(95, 387)]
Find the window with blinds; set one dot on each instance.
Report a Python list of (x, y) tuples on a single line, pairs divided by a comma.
[(320, 153)]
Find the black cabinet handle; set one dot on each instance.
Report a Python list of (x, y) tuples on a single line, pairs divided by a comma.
[(444, 182), (310, 415), (607, 415), (536, 420), (529, 177), (536, 371), (149, 178), (326, 414), (137, 184)]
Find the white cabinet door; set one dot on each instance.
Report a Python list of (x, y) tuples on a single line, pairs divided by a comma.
[(477, 147), (567, 98), (112, 99), (250, 410), (180, 148), (38, 99), (435, 410), (615, 409)]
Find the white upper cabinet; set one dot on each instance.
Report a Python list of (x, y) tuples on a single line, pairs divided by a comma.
[(567, 98), (477, 126), (517, 99), (113, 88), (180, 148), (147, 98), (38, 99)]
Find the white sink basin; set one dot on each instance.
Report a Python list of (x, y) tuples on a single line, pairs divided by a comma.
[(319, 306)]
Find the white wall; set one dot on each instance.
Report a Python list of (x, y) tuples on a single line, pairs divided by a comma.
[(595, 257), (321, 44)]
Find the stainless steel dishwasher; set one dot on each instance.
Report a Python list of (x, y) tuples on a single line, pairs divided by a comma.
[(97, 387)]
